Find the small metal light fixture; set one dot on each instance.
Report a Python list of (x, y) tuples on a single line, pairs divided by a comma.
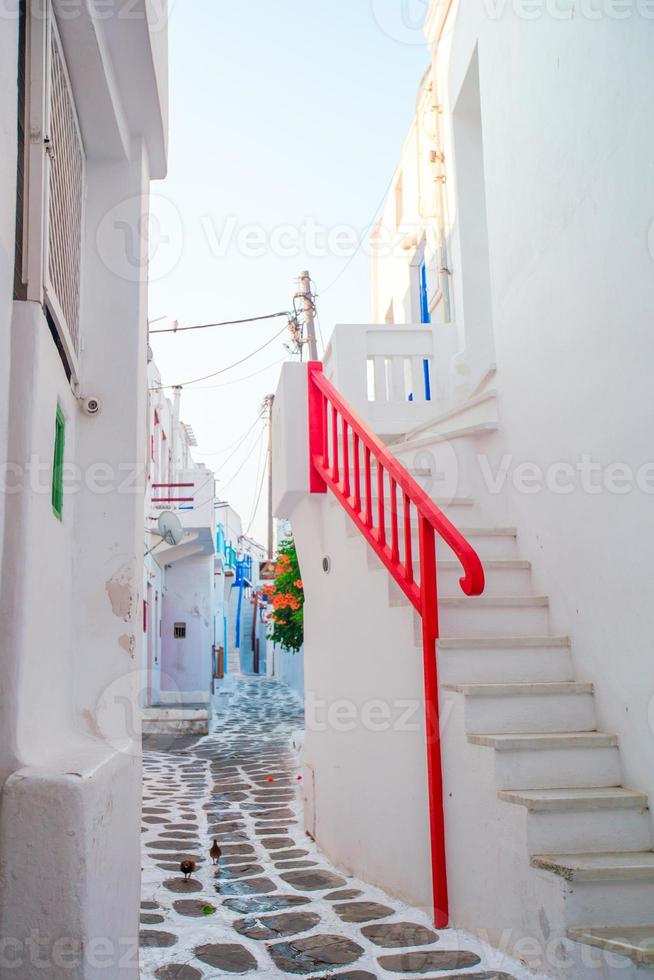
[(326, 564)]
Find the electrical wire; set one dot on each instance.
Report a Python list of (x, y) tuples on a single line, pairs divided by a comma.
[(215, 374), (224, 323), (235, 445), (238, 471), (236, 381), (258, 501), (261, 475), (361, 240)]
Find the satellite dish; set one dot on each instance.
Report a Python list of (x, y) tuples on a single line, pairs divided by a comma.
[(170, 527)]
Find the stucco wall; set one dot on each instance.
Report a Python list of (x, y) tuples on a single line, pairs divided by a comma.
[(569, 185), (364, 750), (188, 599), (8, 104)]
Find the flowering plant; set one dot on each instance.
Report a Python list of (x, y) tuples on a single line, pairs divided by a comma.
[(286, 596)]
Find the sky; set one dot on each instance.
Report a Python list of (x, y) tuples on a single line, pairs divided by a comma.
[(286, 124)]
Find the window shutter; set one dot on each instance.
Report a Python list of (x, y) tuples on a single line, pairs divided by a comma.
[(66, 193)]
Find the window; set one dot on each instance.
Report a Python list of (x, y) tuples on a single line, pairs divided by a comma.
[(58, 465), (179, 631), (51, 183)]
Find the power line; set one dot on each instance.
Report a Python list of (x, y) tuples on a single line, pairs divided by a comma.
[(224, 323), (232, 478), (258, 501), (360, 245), (235, 445), (261, 475), (236, 381), (214, 374)]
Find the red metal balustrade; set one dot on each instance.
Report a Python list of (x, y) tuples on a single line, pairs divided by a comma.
[(173, 486), (347, 458)]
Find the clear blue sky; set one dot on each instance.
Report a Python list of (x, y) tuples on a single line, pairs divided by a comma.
[(280, 113)]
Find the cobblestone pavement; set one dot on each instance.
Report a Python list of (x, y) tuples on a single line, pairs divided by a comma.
[(274, 906)]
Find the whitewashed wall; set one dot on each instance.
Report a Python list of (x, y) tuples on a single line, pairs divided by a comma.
[(189, 599), (8, 129), (71, 602), (569, 212), (364, 749)]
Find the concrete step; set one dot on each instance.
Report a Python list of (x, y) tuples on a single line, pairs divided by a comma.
[(176, 720), (565, 800), (488, 542), (510, 576), (504, 577), (603, 887), (447, 434), (479, 408), (584, 820), (626, 901), (528, 708), (494, 615), (604, 867), (548, 761), (634, 942), (490, 659)]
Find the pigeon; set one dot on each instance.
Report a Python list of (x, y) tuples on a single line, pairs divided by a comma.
[(187, 868), (215, 852)]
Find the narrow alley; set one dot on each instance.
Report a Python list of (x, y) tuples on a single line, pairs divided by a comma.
[(274, 906)]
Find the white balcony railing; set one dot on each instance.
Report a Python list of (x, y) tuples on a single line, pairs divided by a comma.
[(395, 377)]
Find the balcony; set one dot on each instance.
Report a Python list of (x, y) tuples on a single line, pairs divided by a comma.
[(191, 497), (395, 377)]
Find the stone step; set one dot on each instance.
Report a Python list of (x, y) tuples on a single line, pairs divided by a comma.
[(509, 576), (584, 798), (479, 408), (584, 820), (611, 866), (634, 942), (626, 902), (504, 577), (489, 659), (548, 761), (447, 435), (528, 708), (494, 615), (488, 542)]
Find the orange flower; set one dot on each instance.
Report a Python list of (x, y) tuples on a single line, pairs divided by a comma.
[(298, 584)]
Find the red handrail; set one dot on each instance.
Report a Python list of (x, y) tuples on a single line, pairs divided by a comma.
[(342, 450)]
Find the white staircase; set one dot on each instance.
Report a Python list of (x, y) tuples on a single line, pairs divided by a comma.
[(534, 789), (586, 838)]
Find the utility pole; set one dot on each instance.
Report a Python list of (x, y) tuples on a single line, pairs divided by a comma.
[(309, 314), (270, 401)]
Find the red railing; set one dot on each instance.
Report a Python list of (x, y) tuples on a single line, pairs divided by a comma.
[(343, 452), (173, 486)]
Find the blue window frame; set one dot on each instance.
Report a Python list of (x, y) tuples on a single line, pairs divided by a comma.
[(425, 317)]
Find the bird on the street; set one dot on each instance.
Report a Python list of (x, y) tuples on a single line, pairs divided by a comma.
[(187, 868), (215, 852)]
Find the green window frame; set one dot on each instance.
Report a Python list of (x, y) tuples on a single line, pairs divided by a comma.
[(58, 465)]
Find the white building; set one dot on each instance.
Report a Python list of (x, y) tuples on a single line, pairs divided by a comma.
[(79, 152), (182, 611), (536, 443)]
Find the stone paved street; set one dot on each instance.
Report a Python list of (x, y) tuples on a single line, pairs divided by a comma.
[(274, 907)]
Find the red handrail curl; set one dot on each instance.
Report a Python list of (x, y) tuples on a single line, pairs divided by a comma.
[(335, 442)]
